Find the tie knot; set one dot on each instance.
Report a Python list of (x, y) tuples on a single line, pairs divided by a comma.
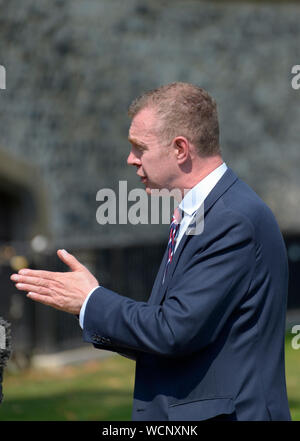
[(177, 216)]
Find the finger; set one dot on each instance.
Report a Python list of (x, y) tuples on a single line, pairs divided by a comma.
[(42, 299), (69, 260), (50, 275), (37, 281), (38, 289)]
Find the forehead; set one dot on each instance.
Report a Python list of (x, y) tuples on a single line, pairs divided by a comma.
[(143, 124)]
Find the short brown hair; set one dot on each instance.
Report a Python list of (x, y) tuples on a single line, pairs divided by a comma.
[(184, 110)]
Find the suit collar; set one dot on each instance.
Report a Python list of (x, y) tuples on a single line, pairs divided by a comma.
[(194, 198)]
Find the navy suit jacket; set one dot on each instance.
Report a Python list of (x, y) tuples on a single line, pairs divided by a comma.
[(210, 341)]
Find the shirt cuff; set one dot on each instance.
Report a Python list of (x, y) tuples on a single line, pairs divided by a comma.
[(82, 310)]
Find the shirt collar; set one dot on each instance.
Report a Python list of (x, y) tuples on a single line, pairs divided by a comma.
[(196, 195)]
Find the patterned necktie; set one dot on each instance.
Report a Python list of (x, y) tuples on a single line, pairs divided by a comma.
[(174, 228)]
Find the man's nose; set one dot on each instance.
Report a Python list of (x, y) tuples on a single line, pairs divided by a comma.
[(132, 159)]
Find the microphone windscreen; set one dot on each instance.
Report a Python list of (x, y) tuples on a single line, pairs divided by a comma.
[(5, 342)]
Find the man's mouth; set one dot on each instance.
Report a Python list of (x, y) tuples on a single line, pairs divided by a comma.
[(142, 178)]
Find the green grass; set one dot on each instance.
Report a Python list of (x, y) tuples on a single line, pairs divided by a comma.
[(96, 391), (292, 364)]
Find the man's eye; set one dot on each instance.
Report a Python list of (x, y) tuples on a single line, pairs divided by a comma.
[(139, 149)]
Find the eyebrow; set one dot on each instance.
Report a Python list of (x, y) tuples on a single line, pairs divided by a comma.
[(137, 143)]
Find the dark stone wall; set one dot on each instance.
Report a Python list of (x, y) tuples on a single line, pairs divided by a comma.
[(73, 67)]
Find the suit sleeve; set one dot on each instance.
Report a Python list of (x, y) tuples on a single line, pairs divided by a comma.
[(201, 296)]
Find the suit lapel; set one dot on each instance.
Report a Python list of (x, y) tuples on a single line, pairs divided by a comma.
[(158, 279), (159, 289)]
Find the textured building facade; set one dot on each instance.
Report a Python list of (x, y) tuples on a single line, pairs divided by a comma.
[(73, 68)]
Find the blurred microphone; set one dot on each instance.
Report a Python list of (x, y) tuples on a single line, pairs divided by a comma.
[(5, 349)]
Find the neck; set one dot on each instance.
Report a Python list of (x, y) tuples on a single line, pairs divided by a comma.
[(201, 168)]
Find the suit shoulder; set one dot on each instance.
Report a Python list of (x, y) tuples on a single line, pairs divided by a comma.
[(244, 201)]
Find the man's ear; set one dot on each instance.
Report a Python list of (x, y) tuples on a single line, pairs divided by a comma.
[(182, 149)]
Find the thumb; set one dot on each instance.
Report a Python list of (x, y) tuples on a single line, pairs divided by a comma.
[(69, 260)]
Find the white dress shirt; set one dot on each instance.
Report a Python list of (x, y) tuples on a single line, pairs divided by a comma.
[(195, 197), (189, 205)]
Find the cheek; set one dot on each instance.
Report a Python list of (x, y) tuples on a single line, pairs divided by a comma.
[(155, 167), (152, 169)]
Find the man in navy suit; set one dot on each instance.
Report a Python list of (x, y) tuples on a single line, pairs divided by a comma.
[(209, 343)]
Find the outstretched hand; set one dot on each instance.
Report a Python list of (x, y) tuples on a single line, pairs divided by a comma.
[(65, 291)]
